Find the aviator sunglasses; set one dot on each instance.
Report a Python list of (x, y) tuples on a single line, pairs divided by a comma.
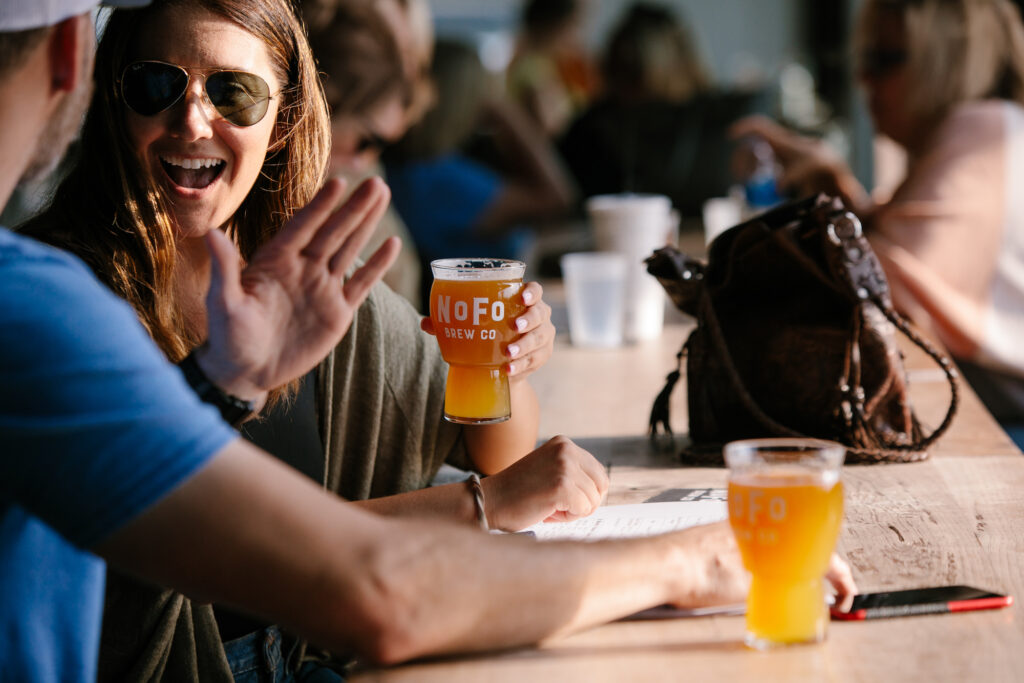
[(150, 87)]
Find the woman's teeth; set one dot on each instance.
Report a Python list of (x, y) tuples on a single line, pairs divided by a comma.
[(192, 173), (191, 163)]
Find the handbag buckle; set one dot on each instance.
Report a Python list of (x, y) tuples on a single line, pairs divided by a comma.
[(846, 228)]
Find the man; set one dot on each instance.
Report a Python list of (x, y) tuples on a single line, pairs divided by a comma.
[(105, 450)]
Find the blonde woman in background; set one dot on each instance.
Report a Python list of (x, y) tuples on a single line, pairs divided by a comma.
[(945, 80)]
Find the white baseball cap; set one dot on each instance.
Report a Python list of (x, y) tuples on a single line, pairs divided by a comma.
[(21, 15)]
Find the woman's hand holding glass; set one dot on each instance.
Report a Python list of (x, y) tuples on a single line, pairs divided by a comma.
[(536, 341)]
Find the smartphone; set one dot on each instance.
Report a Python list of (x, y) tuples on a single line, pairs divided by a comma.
[(935, 600)]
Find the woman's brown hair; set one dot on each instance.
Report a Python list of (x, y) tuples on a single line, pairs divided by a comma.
[(108, 209)]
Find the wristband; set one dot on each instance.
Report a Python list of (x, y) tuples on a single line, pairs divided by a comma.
[(477, 489), (233, 409)]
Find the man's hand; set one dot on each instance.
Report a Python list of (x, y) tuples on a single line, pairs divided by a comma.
[(558, 482), (711, 570), (841, 579), (709, 567), (275, 320)]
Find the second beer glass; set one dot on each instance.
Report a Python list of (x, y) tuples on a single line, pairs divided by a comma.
[(785, 508), (474, 304)]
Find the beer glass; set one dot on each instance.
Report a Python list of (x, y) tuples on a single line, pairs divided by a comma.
[(785, 508), (474, 304)]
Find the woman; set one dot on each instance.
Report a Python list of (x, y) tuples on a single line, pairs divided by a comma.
[(211, 116), (944, 80)]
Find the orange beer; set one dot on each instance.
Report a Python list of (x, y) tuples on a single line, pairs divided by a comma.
[(785, 509), (474, 304)]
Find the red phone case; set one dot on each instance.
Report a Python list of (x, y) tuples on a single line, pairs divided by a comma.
[(925, 608)]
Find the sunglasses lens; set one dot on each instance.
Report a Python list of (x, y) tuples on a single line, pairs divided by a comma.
[(150, 87), (241, 98)]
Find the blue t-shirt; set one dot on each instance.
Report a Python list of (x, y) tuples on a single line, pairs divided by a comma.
[(95, 426), (442, 199)]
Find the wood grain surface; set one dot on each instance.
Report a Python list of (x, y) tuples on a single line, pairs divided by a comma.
[(956, 518)]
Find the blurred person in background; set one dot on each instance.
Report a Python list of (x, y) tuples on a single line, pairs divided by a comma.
[(370, 90), (455, 205), (413, 25), (659, 127), (551, 75), (945, 80)]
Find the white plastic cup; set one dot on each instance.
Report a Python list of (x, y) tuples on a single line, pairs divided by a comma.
[(635, 225), (720, 214), (595, 293)]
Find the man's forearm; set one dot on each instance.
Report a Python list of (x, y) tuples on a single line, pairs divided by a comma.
[(461, 591), (248, 531)]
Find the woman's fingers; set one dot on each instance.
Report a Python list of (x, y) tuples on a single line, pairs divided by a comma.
[(532, 293), (346, 247), (324, 231), (358, 286), (531, 351), (305, 224)]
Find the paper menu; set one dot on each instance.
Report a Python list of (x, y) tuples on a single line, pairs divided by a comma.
[(627, 521)]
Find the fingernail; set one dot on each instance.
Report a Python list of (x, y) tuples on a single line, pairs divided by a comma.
[(511, 370), (513, 350), (521, 324), (527, 296)]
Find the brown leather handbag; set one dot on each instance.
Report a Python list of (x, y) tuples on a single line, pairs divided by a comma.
[(795, 337)]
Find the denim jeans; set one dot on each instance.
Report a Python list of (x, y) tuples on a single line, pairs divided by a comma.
[(258, 658)]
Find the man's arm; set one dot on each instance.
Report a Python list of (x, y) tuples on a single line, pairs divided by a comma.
[(248, 531)]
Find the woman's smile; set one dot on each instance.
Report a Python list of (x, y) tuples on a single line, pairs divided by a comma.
[(195, 173)]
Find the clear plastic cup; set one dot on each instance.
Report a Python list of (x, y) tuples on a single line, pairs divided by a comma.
[(595, 294)]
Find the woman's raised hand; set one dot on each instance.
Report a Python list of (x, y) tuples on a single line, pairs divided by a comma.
[(274, 320)]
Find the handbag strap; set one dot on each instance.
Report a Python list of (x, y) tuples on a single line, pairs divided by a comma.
[(912, 452)]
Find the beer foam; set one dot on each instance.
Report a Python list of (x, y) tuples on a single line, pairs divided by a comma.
[(478, 269)]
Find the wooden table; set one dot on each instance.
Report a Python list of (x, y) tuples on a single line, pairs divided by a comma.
[(956, 518)]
